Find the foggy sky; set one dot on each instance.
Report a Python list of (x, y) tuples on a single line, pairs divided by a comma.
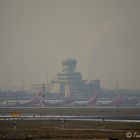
[(102, 35)]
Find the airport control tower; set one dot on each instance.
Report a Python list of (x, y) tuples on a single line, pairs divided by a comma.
[(69, 74), (68, 82)]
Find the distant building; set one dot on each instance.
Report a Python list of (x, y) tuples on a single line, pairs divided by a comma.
[(69, 82)]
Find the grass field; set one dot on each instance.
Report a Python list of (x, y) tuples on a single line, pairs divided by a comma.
[(70, 129)]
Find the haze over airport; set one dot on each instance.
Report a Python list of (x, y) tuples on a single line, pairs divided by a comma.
[(102, 35)]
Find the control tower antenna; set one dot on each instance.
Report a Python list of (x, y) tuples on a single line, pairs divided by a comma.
[(9, 84), (23, 85), (117, 85), (117, 89), (43, 97), (90, 63), (8, 79), (47, 76)]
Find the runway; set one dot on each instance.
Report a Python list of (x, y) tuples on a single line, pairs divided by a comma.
[(72, 107), (124, 114), (125, 118)]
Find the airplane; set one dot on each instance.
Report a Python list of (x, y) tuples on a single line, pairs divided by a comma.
[(119, 101), (67, 101), (91, 102), (36, 100)]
